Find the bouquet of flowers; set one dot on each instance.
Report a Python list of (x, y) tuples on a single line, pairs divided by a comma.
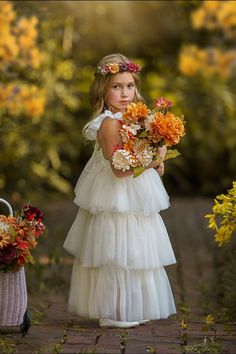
[(143, 131), (18, 235)]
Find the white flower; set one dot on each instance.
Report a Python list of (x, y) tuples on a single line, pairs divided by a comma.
[(143, 152), (148, 120), (134, 128), (129, 130), (123, 160), (3, 226)]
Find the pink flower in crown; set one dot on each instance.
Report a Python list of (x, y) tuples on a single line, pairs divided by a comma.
[(163, 103), (105, 69), (133, 67)]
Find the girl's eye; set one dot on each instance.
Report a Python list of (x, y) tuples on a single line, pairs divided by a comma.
[(116, 86), (130, 85)]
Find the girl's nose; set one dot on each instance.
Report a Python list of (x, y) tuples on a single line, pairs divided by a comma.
[(123, 94)]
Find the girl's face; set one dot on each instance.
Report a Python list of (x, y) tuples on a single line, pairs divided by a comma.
[(120, 92)]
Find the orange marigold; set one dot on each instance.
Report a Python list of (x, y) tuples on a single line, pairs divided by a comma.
[(167, 126), (136, 112)]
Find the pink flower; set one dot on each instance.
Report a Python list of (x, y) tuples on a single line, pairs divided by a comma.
[(133, 67), (116, 147), (163, 103)]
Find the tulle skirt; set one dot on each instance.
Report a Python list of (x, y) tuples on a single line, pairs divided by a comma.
[(120, 294), (99, 190), (120, 240)]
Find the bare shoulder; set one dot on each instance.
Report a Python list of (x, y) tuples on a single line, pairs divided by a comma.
[(109, 125)]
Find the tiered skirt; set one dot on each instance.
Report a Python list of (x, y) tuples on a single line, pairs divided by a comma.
[(120, 245)]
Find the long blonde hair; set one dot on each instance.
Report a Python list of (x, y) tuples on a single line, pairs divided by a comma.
[(101, 83)]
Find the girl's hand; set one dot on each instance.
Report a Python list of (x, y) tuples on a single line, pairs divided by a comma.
[(160, 169), (162, 151)]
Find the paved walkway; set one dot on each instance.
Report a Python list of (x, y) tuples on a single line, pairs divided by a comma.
[(54, 330), (63, 333)]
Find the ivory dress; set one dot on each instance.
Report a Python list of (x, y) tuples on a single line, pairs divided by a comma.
[(119, 242)]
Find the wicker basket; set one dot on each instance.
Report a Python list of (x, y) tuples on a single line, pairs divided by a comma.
[(13, 297), (13, 293)]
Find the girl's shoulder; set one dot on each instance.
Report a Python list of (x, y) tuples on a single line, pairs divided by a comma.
[(106, 118)]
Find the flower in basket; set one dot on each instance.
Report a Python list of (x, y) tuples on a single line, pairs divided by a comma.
[(143, 131), (18, 236)]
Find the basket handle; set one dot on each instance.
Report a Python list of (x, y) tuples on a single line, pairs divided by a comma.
[(8, 205)]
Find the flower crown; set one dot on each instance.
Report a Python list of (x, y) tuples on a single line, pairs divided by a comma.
[(114, 68)]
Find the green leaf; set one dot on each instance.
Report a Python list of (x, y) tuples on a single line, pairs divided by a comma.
[(144, 134), (138, 170), (172, 153)]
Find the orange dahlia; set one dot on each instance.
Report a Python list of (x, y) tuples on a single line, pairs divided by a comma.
[(136, 112), (168, 127)]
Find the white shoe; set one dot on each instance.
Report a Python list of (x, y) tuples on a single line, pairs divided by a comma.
[(105, 322), (143, 321)]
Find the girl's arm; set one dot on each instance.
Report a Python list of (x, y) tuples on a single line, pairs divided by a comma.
[(109, 137), (161, 168)]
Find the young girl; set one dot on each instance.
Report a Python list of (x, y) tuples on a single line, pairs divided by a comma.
[(118, 238)]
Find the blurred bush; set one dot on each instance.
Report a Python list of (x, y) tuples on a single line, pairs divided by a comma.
[(38, 100)]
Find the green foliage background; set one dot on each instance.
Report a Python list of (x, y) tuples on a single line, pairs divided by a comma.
[(42, 158)]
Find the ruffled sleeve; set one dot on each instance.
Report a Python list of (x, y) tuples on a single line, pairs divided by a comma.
[(91, 131)]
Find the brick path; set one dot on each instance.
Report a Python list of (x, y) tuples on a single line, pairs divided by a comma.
[(56, 331)]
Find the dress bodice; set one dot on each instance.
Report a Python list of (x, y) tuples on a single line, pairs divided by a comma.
[(94, 125)]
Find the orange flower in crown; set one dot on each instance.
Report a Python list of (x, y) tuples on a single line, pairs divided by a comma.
[(168, 127), (136, 112), (113, 68)]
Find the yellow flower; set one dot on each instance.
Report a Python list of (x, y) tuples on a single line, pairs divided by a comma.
[(114, 68), (35, 106), (191, 60), (226, 17), (198, 18), (224, 211), (7, 14), (35, 58), (25, 42), (211, 6), (183, 324), (33, 100), (210, 320)]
